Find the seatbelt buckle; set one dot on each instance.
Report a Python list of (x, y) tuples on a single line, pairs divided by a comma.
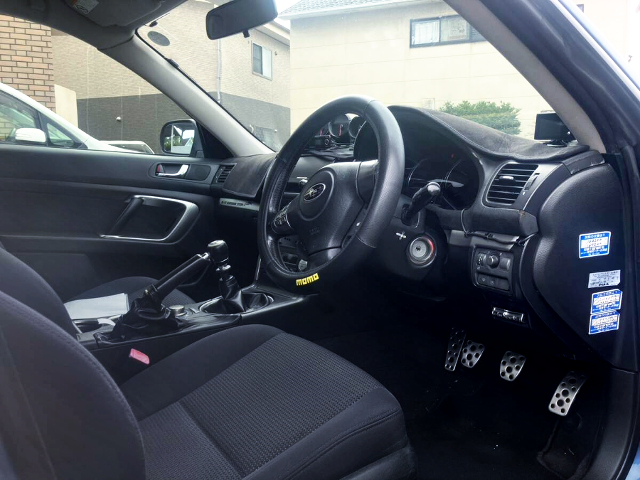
[(139, 356)]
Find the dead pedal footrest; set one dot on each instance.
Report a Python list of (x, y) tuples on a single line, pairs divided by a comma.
[(454, 347), (471, 354), (566, 392), (511, 365)]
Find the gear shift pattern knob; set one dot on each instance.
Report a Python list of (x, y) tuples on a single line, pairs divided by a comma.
[(218, 251)]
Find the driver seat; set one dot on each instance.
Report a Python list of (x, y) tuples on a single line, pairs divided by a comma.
[(251, 402)]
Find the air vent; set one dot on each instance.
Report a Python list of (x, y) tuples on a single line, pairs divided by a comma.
[(509, 183), (223, 173)]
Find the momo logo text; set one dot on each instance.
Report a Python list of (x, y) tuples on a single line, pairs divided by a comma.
[(307, 280)]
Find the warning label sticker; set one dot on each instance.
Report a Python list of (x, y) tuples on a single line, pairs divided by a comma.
[(604, 322), (604, 279), (604, 301), (594, 244)]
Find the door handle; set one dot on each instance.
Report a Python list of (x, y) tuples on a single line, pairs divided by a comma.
[(181, 173), (187, 217)]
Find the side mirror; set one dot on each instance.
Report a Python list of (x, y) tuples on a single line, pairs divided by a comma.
[(31, 135), (239, 16), (181, 137)]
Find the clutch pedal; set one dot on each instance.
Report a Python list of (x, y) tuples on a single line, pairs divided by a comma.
[(454, 347), (471, 354), (566, 392), (511, 365)]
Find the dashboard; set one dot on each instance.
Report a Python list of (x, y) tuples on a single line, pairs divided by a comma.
[(505, 222)]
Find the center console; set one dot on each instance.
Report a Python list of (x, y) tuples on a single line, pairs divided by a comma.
[(151, 330)]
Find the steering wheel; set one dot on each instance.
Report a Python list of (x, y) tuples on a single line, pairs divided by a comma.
[(344, 207)]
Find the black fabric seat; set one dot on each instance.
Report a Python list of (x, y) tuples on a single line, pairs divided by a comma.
[(261, 404), (134, 288), (251, 402)]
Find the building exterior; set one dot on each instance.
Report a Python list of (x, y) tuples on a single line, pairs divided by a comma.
[(416, 53), (26, 56), (248, 76)]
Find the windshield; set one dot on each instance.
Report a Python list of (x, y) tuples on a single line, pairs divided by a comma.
[(413, 53)]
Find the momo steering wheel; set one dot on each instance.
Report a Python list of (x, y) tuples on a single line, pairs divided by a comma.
[(342, 210)]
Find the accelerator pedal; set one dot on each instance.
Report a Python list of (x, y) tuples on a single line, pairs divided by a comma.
[(511, 365), (566, 392), (471, 354), (454, 347)]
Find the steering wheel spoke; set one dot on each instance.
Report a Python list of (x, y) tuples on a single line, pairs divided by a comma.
[(281, 224), (355, 226), (321, 258)]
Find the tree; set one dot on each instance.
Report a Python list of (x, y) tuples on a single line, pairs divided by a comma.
[(503, 117)]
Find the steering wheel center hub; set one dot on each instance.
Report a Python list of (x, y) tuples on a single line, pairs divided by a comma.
[(316, 195)]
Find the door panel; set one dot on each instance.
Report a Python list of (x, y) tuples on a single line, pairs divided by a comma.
[(81, 218)]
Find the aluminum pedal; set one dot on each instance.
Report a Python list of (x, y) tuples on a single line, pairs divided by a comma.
[(511, 365), (471, 354), (566, 393), (454, 347)]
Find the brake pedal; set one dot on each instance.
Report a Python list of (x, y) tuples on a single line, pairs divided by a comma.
[(511, 365), (471, 354), (454, 347), (566, 392)]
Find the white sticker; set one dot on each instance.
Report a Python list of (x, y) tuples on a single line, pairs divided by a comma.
[(604, 279), (84, 6)]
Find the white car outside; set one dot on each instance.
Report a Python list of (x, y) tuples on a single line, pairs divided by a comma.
[(78, 135)]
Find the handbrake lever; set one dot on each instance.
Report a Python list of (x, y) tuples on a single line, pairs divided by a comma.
[(156, 293), (147, 314)]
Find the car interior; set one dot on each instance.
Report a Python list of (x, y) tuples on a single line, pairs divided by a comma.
[(431, 298)]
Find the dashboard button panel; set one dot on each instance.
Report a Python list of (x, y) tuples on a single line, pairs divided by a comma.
[(492, 269)]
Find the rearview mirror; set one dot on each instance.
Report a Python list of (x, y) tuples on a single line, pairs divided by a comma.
[(180, 137), (239, 16), (31, 135)]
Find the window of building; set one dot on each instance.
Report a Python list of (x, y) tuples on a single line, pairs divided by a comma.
[(262, 61), (437, 31)]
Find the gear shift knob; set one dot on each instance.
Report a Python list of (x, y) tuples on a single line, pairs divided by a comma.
[(218, 251)]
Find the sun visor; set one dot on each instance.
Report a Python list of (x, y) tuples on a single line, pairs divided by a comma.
[(107, 13)]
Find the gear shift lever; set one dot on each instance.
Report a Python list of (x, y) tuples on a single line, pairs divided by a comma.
[(233, 299), (229, 288)]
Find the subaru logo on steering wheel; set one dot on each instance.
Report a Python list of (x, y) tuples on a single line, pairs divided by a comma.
[(314, 192)]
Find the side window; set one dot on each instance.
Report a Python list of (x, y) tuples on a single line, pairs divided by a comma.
[(83, 95), (15, 115), (58, 138)]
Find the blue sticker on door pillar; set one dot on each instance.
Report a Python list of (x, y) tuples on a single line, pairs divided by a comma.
[(604, 322), (604, 301), (594, 244)]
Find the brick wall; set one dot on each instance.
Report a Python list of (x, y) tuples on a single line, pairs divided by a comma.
[(26, 57)]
